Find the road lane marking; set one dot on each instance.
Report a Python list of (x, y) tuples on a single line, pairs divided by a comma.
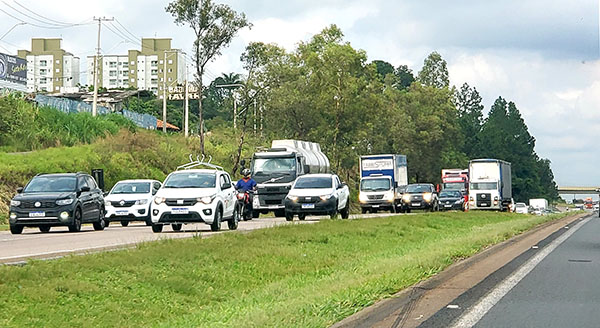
[(480, 309)]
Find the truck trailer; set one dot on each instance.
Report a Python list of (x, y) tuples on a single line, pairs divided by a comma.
[(276, 169), (382, 179), (491, 184)]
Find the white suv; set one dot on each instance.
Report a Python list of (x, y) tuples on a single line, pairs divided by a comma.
[(129, 200), (195, 196), (317, 194)]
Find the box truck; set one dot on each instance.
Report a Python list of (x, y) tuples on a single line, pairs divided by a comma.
[(382, 179), (491, 184)]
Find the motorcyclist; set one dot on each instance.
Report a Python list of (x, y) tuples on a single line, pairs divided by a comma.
[(246, 184)]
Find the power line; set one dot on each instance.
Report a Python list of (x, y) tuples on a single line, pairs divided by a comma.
[(126, 30), (34, 18), (37, 25), (46, 18)]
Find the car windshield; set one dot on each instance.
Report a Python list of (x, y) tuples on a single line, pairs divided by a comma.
[(520, 205), (270, 165), (450, 194), (313, 183), (375, 184), (191, 180), (418, 188), (484, 186), (51, 184), (131, 188)]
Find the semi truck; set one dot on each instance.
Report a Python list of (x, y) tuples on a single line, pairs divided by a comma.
[(382, 179), (276, 169), (490, 187), (456, 179)]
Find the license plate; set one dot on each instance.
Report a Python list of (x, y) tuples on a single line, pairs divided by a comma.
[(308, 205), (483, 204), (375, 206), (122, 212), (37, 214), (415, 204), (180, 211), (447, 205)]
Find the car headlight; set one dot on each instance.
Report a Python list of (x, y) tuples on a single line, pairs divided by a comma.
[(406, 198), (427, 196), (159, 200), (325, 197), (15, 202), (363, 198), (141, 202), (67, 201), (207, 200), (107, 203), (458, 201), (292, 198), (388, 195)]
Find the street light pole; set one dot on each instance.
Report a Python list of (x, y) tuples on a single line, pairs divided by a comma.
[(96, 71), (165, 94)]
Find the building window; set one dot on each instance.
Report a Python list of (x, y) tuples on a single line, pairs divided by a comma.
[(154, 63), (170, 61), (161, 61), (113, 82), (43, 71), (132, 80), (112, 73), (43, 80), (56, 88), (162, 79), (58, 62), (125, 73), (154, 72), (58, 70), (170, 79), (112, 64), (170, 70), (132, 71), (160, 70), (154, 81)]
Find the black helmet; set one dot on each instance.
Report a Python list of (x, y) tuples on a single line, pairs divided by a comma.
[(246, 172)]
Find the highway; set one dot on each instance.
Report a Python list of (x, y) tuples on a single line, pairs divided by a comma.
[(32, 244)]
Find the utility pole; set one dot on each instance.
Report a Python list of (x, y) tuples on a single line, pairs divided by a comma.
[(165, 93), (187, 103), (96, 59), (234, 113)]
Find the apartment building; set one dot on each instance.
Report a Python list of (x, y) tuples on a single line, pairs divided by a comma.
[(143, 69), (49, 67)]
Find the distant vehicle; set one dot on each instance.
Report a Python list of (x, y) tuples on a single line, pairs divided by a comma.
[(521, 208), (63, 199), (452, 200), (539, 203), (588, 203), (511, 206), (456, 179), (276, 169), (129, 200), (491, 184), (383, 178), (421, 196), (196, 196), (596, 207), (322, 194)]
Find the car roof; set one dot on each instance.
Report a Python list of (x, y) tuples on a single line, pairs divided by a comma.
[(137, 180), (318, 175), (198, 171), (61, 174)]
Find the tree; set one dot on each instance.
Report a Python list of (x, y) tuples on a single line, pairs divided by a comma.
[(470, 117), (214, 26), (383, 68), (404, 77), (434, 72)]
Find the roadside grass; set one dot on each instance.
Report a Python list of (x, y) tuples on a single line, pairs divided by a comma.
[(310, 275)]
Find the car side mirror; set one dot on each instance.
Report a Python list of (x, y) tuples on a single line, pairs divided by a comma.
[(85, 189), (154, 191), (225, 186), (20, 190), (306, 169)]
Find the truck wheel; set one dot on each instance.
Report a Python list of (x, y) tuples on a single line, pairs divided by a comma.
[(176, 226), (216, 225), (16, 230), (156, 228), (289, 216), (255, 214), (124, 223), (279, 213), (44, 228), (302, 217)]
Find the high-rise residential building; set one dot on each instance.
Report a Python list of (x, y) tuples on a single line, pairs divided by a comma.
[(49, 67), (144, 69)]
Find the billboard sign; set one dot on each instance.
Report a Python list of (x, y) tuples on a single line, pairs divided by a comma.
[(13, 69)]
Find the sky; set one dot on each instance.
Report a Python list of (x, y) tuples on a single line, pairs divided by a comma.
[(541, 54)]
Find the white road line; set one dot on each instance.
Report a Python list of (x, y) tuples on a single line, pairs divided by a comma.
[(486, 303)]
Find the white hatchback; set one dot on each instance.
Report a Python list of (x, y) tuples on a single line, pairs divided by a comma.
[(129, 200), (195, 196)]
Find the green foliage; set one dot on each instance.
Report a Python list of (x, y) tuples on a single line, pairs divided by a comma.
[(309, 275), (434, 72)]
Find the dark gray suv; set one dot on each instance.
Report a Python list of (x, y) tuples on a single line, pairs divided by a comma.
[(63, 199), (420, 196)]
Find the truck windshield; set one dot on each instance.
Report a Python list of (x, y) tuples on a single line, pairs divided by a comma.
[(271, 165), (51, 184), (454, 186), (484, 186), (131, 188), (191, 180), (375, 184), (313, 183)]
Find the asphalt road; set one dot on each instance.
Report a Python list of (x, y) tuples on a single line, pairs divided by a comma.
[(32, 244), (554, 284)]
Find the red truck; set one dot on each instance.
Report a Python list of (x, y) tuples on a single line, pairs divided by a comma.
[(456, 179)]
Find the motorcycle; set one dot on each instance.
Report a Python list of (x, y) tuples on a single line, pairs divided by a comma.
[(244, 205)]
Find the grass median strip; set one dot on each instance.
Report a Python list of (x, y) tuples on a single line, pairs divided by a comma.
[(291, 276)]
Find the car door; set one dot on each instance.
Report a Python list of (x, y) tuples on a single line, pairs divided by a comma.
[(341, 193), (96, 198), (228, 195), (85, 197)]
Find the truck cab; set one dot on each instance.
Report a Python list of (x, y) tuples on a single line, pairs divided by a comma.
[(383, 179), (491, 185), (377, 192)]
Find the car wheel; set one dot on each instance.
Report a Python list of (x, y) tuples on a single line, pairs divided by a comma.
[(148, 223), (346, 210), (408, 210), (216, 225), (76, 225), (255, 214), (124, 223), (301, 217), (289, 216), (16, 230), (176, 226), (100, 225), (157, 228), (363, 210), (44, 228), (279, 213), (106, 223), (334, 213), (233, 223)]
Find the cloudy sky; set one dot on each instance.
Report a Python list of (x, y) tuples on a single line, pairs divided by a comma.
[(541, 54)]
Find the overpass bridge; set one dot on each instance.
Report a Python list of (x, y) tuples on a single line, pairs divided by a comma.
[(571, 190)]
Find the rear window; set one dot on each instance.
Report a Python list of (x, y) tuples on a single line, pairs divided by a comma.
[(313, 183)]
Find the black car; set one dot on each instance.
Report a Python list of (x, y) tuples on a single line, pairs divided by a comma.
[(452, 200), (49, 200), (420, 196)]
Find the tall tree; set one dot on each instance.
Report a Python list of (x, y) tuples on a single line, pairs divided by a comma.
[(383, 68), (404, 77), (434, 72), (470, 117), (214, 26)]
